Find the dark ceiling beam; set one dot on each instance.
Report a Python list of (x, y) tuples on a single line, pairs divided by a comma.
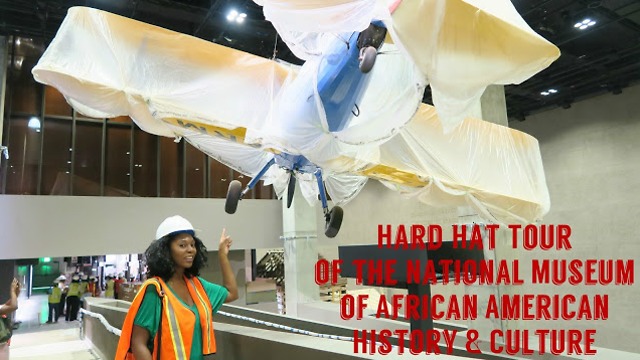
[(215, 6), (614, 16), (538, 6), (134, 8)]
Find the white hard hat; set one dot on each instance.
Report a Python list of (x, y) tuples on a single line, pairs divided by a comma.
[(174, 225)]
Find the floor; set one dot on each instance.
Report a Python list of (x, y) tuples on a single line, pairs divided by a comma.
[(34, 339)]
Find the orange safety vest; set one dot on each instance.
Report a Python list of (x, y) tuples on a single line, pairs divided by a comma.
[(177, 322)]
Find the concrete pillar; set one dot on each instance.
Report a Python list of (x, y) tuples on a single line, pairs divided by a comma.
[(492, 107), (300, 253)]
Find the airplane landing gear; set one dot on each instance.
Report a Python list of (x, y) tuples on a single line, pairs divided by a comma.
[(369, 41), (333, 220), (234, 193), (333, 217), (367, 58)]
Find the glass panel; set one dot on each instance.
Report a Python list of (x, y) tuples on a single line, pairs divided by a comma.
[(56, 159), (219, 179), (24, 155), (170, 168), (118, 155), (55, 103), (145, 163), (195, 172), (26, 92), (88, 159)]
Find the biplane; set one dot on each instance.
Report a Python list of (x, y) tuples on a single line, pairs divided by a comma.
[(350, 113)]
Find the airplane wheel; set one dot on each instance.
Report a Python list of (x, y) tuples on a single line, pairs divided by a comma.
[(367, 58), (233, 196), (333, 223)]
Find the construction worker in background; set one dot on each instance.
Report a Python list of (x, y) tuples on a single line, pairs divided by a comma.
[(55, 293), (119, 281), (62, 283), (84, 284), (111, 284), (84, 287), (73, 299), (92, 287)]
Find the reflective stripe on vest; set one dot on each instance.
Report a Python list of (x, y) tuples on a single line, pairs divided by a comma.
[(203, 304), (174, 330)]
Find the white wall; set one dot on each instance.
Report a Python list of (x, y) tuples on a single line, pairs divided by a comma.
[(591, 155), (54, 226)]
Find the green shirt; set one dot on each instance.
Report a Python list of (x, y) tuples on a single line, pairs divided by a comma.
[(148, 315)]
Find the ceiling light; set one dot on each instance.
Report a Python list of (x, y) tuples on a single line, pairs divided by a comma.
[(549, 92), (18, 62), (586, 23), (233, 15), (34, 123)]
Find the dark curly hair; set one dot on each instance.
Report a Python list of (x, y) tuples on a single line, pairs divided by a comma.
[(160, 263)]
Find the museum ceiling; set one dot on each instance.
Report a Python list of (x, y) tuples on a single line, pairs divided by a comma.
[(599, 40)]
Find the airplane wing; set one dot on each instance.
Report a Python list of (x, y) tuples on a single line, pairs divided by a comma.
[(242, 109), (459, 46)]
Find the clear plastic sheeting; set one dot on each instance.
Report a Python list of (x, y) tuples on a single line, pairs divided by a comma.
[(460, 46), (243, 110), (496, 170)]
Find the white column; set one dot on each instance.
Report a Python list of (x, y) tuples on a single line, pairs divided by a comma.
[(300, 253), (492, 107)]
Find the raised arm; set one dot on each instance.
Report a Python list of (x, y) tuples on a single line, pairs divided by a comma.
[(11, 305), (228, 278)]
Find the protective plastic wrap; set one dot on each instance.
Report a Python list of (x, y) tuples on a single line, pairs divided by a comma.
[(459, 46), (242, 109)]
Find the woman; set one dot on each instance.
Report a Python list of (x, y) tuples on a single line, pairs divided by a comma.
[(175, 300), (6, 310)]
